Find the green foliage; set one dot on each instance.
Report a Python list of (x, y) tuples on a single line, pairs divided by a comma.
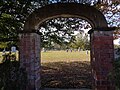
[(13, 14), (12, 77), (116, 73), (7, 45), (116, 46), (3, 45), (61, 30), (81, 42)]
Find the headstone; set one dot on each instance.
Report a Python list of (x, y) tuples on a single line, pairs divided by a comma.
[(4, 51), (13, 49)]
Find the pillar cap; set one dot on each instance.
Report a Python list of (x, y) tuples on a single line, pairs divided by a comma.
[(102, 29), (27, 31)]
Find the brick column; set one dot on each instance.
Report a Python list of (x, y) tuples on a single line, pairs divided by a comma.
[(102, 55), (29, 51)]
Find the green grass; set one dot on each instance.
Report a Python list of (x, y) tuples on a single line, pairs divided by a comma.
[(0, 56), (61, 69), (63, 56)]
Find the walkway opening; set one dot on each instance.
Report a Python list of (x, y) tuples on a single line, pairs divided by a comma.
[(66, 63)]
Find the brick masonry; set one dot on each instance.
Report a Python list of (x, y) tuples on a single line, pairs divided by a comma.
[(30, 58), (102, 55), (101, 43)]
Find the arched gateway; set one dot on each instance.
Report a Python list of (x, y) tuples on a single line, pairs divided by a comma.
[(101, 42)]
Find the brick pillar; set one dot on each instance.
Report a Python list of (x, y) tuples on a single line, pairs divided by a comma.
[(29, 51), (102, 55)]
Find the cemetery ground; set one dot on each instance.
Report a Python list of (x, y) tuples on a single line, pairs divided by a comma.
[(61, 69)]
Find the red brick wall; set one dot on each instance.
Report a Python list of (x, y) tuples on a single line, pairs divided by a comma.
[(102, 55), (30, 58)]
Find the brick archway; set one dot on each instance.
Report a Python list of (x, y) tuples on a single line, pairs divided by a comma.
[(101, 42)]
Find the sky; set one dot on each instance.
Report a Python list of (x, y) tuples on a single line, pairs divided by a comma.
[(117, 41)]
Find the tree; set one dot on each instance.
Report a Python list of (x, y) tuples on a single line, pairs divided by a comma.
[(111, 10), (81, 41), (61, 30), (13, 14)]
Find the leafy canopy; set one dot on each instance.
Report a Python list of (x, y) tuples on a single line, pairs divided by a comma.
[(13, 14)]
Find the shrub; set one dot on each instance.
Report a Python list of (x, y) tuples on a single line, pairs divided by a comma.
[(117, 73), (12, 77)]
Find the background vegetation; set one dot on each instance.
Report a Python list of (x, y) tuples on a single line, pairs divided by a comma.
[(13, 14), (12, 77)]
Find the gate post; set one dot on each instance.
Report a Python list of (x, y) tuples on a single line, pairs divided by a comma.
[(102, 56), (29, 51)]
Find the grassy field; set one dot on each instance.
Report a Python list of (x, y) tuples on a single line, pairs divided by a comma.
[(0, 56), (61, 69), (63, 56)]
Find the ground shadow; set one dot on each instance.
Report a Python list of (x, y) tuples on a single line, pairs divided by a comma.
[(66, 75)]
